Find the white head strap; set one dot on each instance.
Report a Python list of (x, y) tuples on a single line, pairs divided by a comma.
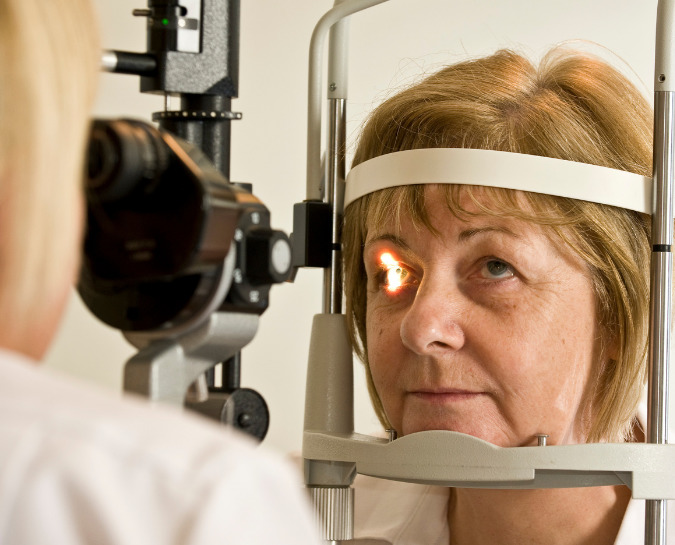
[(501, 169)]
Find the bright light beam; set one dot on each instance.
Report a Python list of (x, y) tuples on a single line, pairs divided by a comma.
[(395, 273)]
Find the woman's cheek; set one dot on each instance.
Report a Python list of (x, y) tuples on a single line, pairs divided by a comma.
[(383, 319), (384, 342), (376, 329)]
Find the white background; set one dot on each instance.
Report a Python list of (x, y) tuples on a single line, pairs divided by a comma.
[(391, 45)]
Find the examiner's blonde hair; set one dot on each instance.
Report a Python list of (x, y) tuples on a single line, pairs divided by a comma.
[(573, 106), (49, 57)]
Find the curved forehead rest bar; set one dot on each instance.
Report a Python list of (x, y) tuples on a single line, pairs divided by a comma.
[(501, 169)]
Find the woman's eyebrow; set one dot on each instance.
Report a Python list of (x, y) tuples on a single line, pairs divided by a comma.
[(463, 236), (470, 233), (388, 237)]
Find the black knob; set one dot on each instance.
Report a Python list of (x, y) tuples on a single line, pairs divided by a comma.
[(268, 257)]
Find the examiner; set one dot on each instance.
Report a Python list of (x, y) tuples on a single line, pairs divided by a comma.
[(78, 465)]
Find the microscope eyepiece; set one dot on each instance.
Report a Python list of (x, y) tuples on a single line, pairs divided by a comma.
[(122, 155), (161, 221)]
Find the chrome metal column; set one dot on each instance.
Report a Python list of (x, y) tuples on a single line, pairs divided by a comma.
[(341, 9), (329, 403), (335, 183), (661, 300), (662, 264)]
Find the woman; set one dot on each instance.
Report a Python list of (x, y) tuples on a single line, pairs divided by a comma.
[(77, 465), (501, 313)]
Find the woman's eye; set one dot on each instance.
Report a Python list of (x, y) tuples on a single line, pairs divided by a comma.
[(393, 275), (496, 269)]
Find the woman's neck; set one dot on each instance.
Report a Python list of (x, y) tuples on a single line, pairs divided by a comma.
[(570, 516)]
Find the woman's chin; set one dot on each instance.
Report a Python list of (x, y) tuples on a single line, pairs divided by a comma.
[(491, 436)]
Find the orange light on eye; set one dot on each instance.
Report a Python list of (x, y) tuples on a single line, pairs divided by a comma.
[(395, 273), (388, 260)]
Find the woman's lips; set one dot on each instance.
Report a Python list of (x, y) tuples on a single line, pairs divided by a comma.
[(450, 395)]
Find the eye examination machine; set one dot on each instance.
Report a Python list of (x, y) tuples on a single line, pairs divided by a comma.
[(182, 260), (190, 304)]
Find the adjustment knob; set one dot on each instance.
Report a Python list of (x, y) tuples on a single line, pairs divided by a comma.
[(268, 257)]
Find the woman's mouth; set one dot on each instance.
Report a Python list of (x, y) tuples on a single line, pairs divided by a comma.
[(445, 395)]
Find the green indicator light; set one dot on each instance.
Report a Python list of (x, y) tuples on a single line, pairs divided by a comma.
[(165, 22)]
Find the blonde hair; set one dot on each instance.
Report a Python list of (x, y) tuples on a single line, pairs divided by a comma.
[(49, 58), (574, 107)]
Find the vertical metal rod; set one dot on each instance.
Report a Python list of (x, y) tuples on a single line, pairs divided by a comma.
[(335, 183), (661, 301), (662, 240), (212, 136), (334, 501), (655, 522), (229, 372), (337, 91), (341, 9)]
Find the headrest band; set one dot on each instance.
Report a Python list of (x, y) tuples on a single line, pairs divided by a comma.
[(501, 169)]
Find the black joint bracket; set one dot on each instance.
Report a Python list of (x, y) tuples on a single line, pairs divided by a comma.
[(312, 235)]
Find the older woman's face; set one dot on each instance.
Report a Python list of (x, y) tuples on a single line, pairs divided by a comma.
[(488, 329)]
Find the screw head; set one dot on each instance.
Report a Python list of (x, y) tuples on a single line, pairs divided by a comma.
[(332, 87)]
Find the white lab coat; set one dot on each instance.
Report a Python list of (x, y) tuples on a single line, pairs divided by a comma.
[(81, 466)]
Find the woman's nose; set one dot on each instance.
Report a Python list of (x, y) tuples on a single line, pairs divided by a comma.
[(433, 323)]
